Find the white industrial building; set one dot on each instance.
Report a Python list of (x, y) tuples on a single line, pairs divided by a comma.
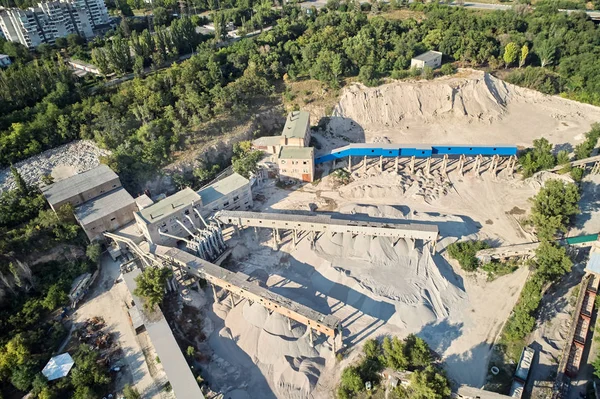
[(231, 193), (51, 20), (432, 59)]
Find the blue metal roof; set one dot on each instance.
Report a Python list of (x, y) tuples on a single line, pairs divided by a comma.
[(419, 151)]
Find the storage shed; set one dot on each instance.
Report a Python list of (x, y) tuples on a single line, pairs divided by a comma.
[(432, 59)]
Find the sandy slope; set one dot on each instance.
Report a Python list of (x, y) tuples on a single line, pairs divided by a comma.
[(473, 108)]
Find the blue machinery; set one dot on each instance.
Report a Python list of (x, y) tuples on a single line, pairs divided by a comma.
[(425, 152)]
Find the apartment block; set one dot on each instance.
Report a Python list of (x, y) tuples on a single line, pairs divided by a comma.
[(51, 20)]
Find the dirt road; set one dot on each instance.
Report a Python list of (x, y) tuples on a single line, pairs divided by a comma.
[(108, 300)]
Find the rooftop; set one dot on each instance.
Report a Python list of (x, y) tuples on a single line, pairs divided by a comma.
[(296, 153), (3, 56), (428, 56), (169, 205), (593, 264), (104, 205), (78, 184), (222, 187), (296, 124), (267, 140), (178, 372), (58, 367)]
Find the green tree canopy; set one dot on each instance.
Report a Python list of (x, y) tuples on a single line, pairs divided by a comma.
[(151, 285)]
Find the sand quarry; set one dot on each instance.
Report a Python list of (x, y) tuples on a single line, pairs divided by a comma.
[(374, 287)]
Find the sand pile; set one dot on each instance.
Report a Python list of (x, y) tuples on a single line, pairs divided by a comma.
[(268, 341), (395, 271), (482, 98)]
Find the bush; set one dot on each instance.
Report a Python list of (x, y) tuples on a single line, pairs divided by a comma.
[(553, 207), (464, 252), (538, 158), (447, 69), (584, 150), (577, 174)]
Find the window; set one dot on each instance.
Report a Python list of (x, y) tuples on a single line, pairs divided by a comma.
[(283, 161), (226, 203), (112, 219), (187, 212), (236, 198), (305, 163)]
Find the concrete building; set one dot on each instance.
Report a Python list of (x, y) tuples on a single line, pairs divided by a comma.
[(432, 59), (107, 212), (232, 193), (296, 133), (82, 187), (171, 217), (101, 203), (4, 61), (296, 163), (51, 20)]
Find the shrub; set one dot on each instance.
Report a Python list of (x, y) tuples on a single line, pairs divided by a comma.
[(537, 158), (553, 206), (447, 69), (464, 252)]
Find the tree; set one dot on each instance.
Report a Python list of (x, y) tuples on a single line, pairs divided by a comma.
[(510, 53), (553, 206), (87, 372), (161, 17), (393, 354), (131, 393), (190, 351), (551, 261), (417, 351), (546, 51), (22, 187), (429, 383), (371, 348), (151, 285), (93, 252), (55, 297), (562, 158), (524, 54), (351, 381), (538, 158)]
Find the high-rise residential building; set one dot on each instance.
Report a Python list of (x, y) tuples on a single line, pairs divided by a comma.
[(51, 20)]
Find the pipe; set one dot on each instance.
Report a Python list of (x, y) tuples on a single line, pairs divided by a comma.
[(201, 218), (184, 227), (191, 221), (172, 236)]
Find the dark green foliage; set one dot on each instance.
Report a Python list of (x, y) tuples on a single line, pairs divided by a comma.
[(577, 174), (553, 207), (537, 78), (464, 252), (429, 383), (151, 285), (245, 159), (496, 269), (538, 158), (93, 252), (584, 150), (131, 393), (412, 354), (551, 261)]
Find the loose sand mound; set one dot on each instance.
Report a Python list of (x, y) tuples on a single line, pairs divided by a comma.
[(471, 107), (268, 341), (481, 98)]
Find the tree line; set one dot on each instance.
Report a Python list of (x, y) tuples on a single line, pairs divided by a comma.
[(145, 120)]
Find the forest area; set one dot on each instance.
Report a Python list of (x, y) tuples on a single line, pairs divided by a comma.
[(145, 120)]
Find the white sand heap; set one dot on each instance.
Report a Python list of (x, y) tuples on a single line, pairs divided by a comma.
[(481, 98), (409, 277), (269, 342)]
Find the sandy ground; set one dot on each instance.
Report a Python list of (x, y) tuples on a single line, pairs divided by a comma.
[(472, 107), (378, 287), (108, 300)]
